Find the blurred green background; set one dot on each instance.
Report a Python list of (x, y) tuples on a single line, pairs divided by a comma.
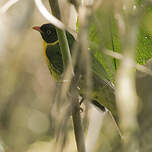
[(27, 122)]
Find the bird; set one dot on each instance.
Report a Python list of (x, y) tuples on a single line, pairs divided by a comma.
[(52, 51), (103, 92)]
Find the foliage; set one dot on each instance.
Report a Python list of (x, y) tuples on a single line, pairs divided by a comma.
[(32, 113)]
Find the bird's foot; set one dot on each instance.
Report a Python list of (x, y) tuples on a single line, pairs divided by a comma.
[(81, 101)]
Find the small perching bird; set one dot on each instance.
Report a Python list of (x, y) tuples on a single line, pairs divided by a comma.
[(102, 93), (52, 51)]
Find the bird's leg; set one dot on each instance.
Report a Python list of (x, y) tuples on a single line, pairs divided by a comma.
[(81, 101)]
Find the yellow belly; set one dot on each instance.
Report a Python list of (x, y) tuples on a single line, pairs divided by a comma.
[(53, 73)]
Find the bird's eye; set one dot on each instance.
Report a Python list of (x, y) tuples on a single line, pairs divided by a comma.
[(48, 32)]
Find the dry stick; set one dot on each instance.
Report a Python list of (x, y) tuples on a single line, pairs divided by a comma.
[(127, 100), (78, 128)]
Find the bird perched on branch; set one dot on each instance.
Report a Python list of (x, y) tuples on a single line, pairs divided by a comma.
[(102, 94)]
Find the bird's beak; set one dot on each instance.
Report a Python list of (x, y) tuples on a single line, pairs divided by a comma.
[(37, 28)]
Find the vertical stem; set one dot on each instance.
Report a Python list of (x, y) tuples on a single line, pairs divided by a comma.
[(55, 8), (64, 46), (78, 128), (127, 100), (62, 37), (66, 56)]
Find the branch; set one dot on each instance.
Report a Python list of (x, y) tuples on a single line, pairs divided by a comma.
[(119, 56), (53, 20), (127, 100), (78, 128)]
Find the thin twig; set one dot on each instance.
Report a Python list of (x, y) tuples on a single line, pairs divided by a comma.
[(64, 46), (119, 56), (78, 128), (48, 16)]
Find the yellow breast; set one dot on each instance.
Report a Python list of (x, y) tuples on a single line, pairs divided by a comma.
[(53, 73)]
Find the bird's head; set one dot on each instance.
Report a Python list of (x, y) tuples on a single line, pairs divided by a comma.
[(48, 32)]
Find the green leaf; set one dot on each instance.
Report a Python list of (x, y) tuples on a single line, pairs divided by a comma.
[(144, 47), (103, 35)]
